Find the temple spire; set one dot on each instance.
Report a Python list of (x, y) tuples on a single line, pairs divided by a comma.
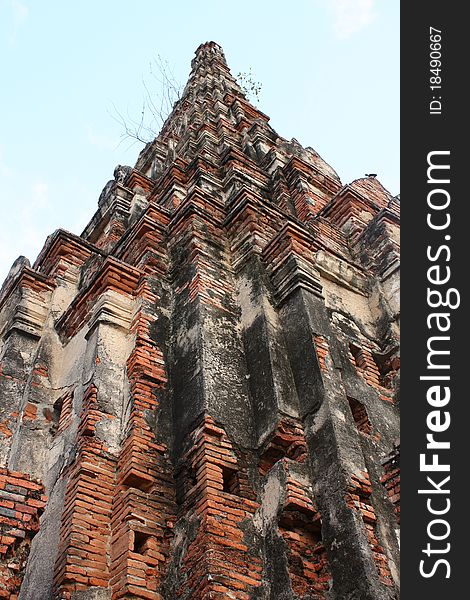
[(201, 389)]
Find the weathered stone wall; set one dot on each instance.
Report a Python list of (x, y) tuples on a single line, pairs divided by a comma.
[(198, 395)]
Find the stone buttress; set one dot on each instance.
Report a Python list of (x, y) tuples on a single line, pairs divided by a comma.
[(199, 394)]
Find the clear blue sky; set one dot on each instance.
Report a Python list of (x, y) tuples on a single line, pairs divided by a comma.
[(329, 71)]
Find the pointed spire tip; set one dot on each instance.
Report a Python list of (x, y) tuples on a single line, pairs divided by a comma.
[(207, 52)]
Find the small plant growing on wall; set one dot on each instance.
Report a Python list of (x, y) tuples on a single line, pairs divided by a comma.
[(249, 85)]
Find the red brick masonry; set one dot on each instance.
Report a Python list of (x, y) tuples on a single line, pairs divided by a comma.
[(21, 504)]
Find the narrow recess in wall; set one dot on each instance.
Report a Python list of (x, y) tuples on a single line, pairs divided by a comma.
[(231, 484), (57, 408), (134, 480), (270, 457), (357, 355), (387, 365), (141, 542), (62, 413), (360, 416), (292, 520), (185, 480)]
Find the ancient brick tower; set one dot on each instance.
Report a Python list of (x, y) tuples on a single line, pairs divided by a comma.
[(198, 394)]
